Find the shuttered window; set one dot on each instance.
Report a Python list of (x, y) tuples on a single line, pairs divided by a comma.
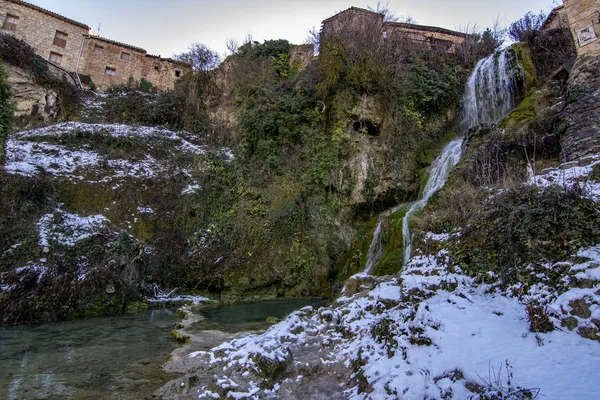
[(10, 23), (55, 57), (60, 39), (98, 49), (125, 56)]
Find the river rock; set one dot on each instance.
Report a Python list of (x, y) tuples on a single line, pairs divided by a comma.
[(580, 308)]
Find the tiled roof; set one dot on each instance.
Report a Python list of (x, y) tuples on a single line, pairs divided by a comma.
[(551, 16), (118, 43), (50, 13)]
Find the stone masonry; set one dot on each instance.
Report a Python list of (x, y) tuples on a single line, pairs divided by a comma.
[(584, 21), (583, 113), (73, 46), (356, 21)]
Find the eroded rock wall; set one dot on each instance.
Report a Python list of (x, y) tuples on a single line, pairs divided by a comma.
[(583, 113)]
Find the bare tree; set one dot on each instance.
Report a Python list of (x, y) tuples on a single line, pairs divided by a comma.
[(521, 30), (479, 42), (200, 57), (233, 45), (389, 15)]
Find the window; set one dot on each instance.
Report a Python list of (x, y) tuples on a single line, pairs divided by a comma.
[(98, 49), (177, 73), (60, 39), (156, 68), (55, 58), (125, 56), (110, 71), (10, 23)]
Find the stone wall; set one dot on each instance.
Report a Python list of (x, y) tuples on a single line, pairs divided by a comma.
[(302, 52), (353, 21), (100, 55), (556, 19), (430, 37), (583, 115), (357, 22), (84, 53), (584, 21), (163, 72), (39, 29)]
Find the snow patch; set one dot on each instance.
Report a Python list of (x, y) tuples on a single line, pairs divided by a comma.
[(68, 229)]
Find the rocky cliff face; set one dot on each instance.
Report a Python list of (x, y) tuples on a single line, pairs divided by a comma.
[(583, 110), (31, 99)]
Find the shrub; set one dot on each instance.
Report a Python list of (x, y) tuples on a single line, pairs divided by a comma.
[(539, 321), (526, 225), (550, 49), (521, 30)]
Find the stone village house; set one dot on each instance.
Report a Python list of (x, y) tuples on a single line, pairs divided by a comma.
[(582, 17), (357, 22), (74, 47)]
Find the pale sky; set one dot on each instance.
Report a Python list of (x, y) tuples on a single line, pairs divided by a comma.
[(167, 27)]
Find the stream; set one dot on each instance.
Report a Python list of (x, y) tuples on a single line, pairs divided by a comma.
[(112, 357)]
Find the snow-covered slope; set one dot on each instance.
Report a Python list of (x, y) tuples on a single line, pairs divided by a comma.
[(430, 332)]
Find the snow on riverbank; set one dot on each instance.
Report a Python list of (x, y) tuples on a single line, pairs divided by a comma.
[(430, 332)]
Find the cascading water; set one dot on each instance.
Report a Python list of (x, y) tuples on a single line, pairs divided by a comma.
[(489, 96), (440, 169), (375, 249)]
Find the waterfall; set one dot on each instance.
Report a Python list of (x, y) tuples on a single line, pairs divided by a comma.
[(375, 249), (489, 95), (438, 174)]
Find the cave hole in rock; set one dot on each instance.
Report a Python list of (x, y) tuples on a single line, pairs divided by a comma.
[(367, 127)]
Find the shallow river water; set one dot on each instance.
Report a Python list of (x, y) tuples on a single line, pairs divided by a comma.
[(112, 357), (116, 357)]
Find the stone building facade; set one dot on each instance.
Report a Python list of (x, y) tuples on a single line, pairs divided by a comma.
[(358, 22), (428, 36), (73, 46), (584, 21), (556, 19)]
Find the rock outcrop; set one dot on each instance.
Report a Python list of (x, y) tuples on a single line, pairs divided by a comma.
[(32, 99), (583, 113)]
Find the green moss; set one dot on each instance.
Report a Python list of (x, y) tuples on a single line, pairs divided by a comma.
[(523, 58), (181, 314), (180, 337), (524, 113), (392, 258), (137, 306), (354, 261)]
